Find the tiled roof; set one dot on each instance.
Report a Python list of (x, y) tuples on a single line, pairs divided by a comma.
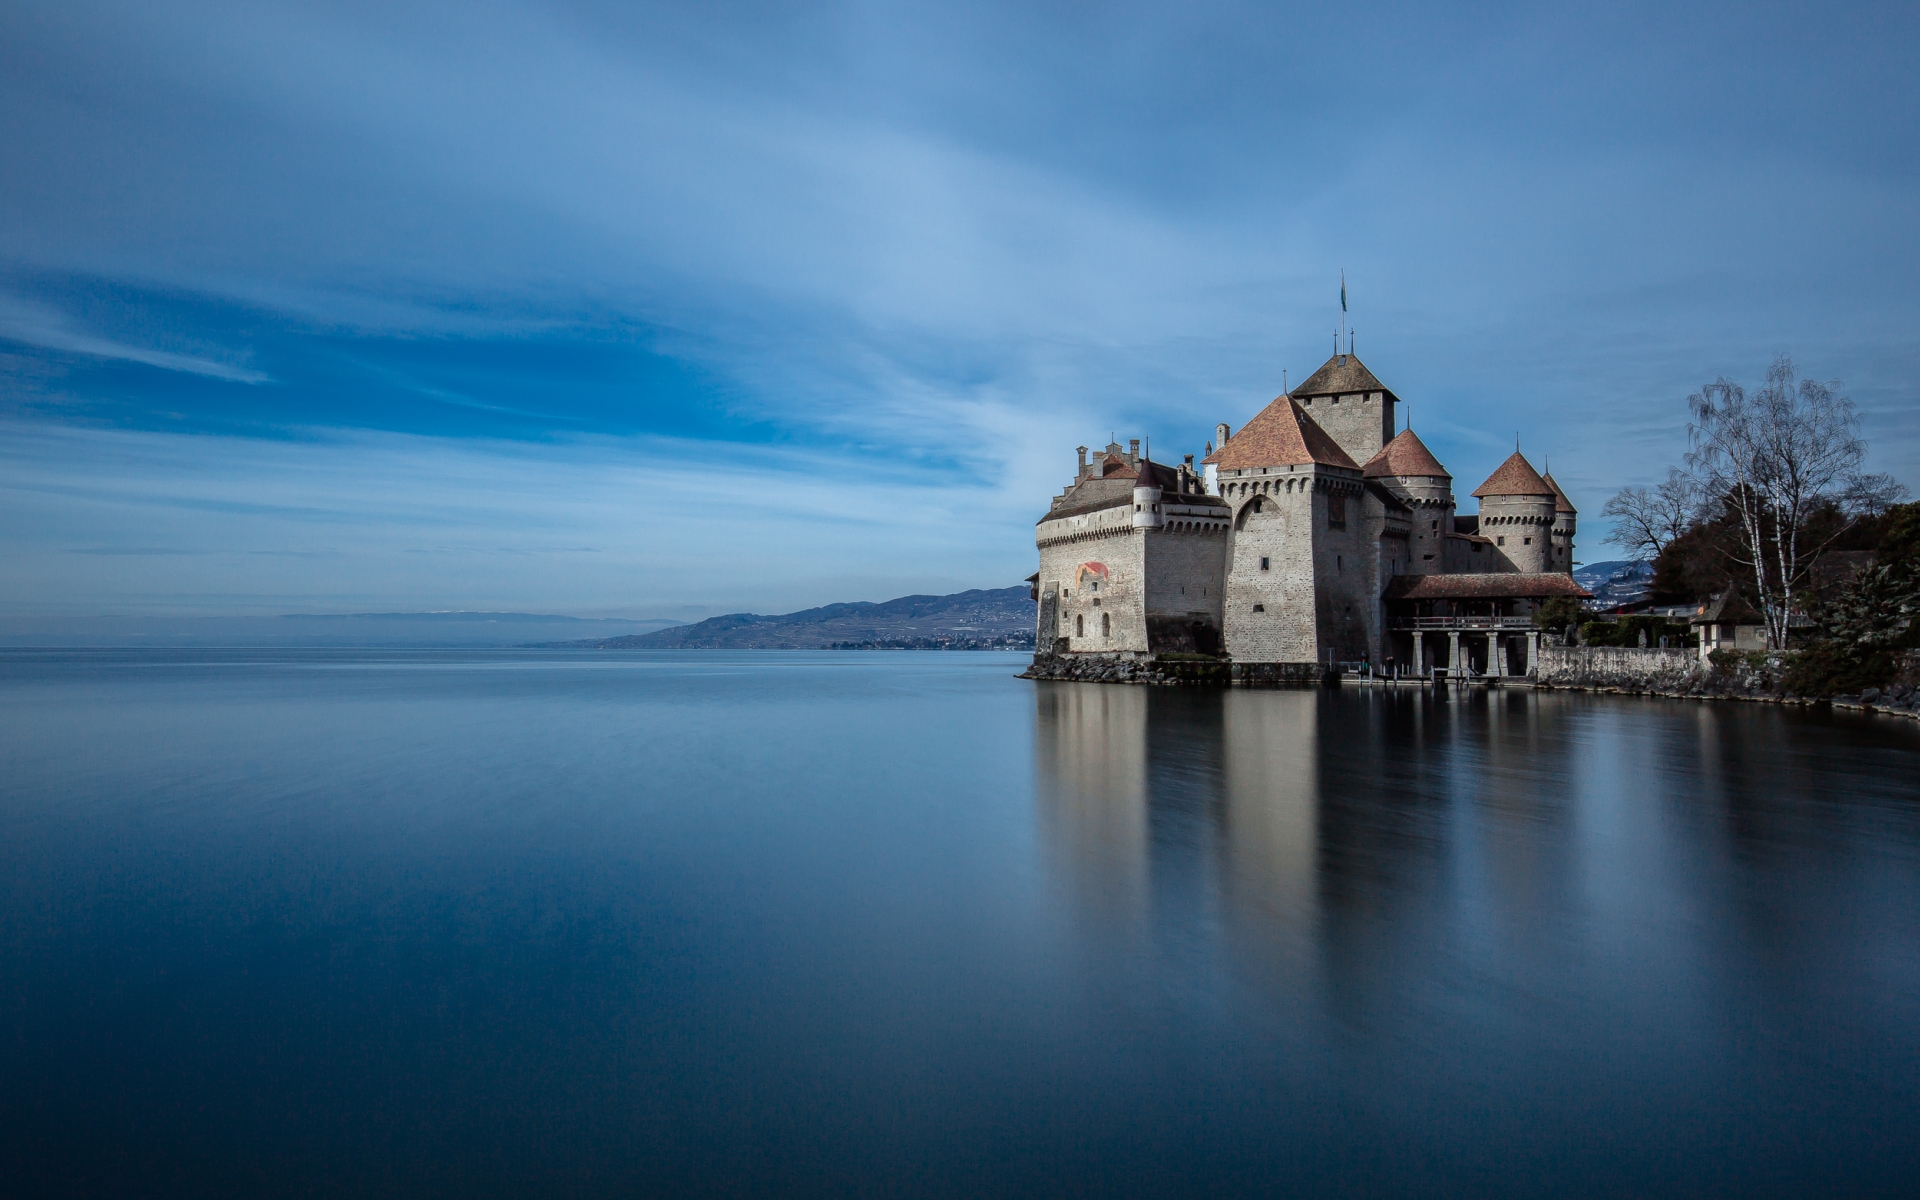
[(1406, 455), (1513, 585), (1560, 502), (1342, 375), (1281, 435), (1729, 608), (1516, 477)]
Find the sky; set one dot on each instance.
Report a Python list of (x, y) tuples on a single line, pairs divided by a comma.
[(674, 310)]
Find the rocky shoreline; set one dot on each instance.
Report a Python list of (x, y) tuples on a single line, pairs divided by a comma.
[(1752, 682)]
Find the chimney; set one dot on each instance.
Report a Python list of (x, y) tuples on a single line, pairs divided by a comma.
[(1220, 432), (1133, 452), (1083, 463)]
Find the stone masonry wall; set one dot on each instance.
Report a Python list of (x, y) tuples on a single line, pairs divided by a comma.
[(1185, 570), (1106, 537), (1281, 531), (1347, 562), (1625, 667), (1360, 422)]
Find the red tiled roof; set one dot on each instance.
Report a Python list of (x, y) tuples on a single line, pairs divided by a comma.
[(1406, 455), (1341, 375), (1281, 435), (1516, 477), (1560, 502), (1513, 585)]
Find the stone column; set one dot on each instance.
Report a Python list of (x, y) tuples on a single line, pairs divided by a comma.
[(1533, 654), (1495, 667), (1453, 653), (1419, 659)]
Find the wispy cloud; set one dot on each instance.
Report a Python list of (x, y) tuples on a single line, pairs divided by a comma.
[(34, 325), (907, 251)]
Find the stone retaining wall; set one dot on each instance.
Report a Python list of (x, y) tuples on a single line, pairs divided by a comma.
[(1143, 668), (1624, 668)]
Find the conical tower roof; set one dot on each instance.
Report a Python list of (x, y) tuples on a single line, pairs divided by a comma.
[(1516, 477), (1282, 434), (1341, 375), (1560, 502), (1406, 455)]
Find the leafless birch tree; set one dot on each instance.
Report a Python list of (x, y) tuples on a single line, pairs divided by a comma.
[(1775, 455)]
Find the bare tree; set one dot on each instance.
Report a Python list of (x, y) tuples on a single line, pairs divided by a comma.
[(1645, 520), (1775, 455), (1871, 495)]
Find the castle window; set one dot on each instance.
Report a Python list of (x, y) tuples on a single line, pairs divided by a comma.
[(1106, 624), (1336, 562), (1263, 564), (1500, 541), (1079, 626), (1526, 541), (1259, 608), (1336, 510)]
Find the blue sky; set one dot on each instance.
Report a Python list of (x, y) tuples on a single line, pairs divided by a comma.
[(657, 310)]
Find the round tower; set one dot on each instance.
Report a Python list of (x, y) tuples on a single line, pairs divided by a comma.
[(1561, 558), (1146, 499), (1410, 471), (1516, 514)]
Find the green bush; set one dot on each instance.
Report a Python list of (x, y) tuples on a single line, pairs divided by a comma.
[(1829, 669)]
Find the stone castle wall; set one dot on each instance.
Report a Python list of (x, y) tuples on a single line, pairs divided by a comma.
[(1106, 537), (1360, 422), (1347, 564), (1271, 614), (1186, 562)]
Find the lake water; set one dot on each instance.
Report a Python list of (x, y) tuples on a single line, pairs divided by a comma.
[(467, 923)]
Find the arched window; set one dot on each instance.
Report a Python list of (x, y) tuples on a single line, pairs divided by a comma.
[(1079, 625), (1106, 624)]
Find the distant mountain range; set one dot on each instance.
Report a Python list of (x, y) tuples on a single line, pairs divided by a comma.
[(1616, 582), (975, 620)]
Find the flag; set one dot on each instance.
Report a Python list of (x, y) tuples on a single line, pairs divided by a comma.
[(1343, 291)]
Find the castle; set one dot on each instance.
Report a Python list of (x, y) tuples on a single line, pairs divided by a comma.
[(1314, 535)]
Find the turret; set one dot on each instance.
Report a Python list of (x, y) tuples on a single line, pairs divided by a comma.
[(1517, 512), (1410, 471), (1561, 557), (1146, 499)]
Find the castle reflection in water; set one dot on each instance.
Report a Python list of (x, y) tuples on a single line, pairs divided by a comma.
[(1356, 843)]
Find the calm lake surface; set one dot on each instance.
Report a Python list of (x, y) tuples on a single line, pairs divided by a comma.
[(686, 923)]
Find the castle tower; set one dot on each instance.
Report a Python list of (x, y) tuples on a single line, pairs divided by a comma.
[(1410, 471), (1146, 498), (1303, 551), (1561, 558), (1353, 407), (1516, 512)]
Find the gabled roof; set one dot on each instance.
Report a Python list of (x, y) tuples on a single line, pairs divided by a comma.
[(1729, 608), (1281, 435), (1406, 455), (1113, 466), (1560, 502), (1509, 585), (1153, 474), (1516, 477), (1341, 375)]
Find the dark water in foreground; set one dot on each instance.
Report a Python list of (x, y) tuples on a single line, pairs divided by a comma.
[(685, 923)]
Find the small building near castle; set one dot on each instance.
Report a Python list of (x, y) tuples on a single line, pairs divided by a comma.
[(1315, 535)]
